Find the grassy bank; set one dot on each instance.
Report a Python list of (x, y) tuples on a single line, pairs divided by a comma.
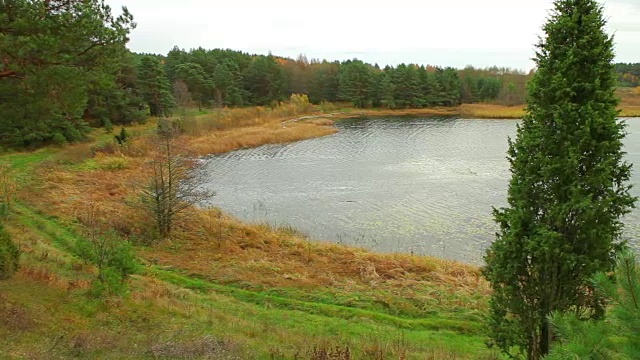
[(180, 309), (218, 288)]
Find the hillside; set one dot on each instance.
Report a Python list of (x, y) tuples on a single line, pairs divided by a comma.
[(218, 288)]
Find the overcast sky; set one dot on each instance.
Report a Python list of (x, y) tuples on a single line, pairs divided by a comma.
[(444, 32)]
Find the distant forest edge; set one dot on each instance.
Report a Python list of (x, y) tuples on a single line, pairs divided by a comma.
[(54, 103), (65, 66), (628, 74)]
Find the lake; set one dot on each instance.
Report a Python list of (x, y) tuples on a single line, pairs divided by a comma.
[(423, 186)]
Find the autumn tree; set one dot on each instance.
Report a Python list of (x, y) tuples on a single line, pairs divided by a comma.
[(172, 186), (569, 186)]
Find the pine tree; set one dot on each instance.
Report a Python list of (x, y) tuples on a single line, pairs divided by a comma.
[(569, 185), (198, 81), (264, 80), (155, 87), (613, 338), (49, 49), (355, 82)]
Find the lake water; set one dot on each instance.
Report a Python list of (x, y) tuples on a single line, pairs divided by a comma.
[(425, 186)]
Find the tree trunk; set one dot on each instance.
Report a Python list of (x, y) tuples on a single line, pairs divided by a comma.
[(545, 337)]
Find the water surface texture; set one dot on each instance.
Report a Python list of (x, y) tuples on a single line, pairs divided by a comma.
[(425, 186)]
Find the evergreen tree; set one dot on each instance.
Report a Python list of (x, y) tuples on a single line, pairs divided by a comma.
[(382, 92), (450, 87), (155, 87), (568, 189), (113, 95), (198, 81), (428, 85), (264, 81), (355, 82), (406, 86), (489, 88), (226, 83), (613, 338), (49, 48), (324, 83)]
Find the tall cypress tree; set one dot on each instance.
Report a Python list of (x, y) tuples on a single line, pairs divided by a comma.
[(569, 185)]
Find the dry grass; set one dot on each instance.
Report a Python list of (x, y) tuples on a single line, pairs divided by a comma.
[(228, 140), (491, 111), (223, 249), (629, 102), (259, 255)]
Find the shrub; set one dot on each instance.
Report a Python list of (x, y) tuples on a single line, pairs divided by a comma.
[(123, 137), (58, 139), (108, 126), (112, 163), (114, 258)]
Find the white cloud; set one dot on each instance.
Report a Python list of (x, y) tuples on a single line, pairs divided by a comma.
[(452, 32)]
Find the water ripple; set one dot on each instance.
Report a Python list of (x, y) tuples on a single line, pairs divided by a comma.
[(397, 184)]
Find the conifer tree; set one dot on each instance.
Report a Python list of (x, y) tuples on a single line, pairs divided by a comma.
[(50, 52), (569, 186), (155, 87), (355, 82), (613, 338)]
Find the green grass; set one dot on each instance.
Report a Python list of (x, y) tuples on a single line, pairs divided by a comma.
[(271, 323), (434, 323)]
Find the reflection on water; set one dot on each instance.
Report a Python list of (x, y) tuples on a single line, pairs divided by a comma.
[(425, 186)]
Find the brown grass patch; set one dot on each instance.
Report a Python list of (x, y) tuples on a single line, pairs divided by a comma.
[(261, 256), (241, 138), (14, 316), (629, 102), (491, 111)]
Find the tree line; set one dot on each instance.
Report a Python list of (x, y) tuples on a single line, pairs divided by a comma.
[(65, 67), (628, 74), (232, 78)]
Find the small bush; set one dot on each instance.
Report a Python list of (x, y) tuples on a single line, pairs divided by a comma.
[(112, 163), (108, 283), (108, 126), (58, 139), (114, 258), (122, 137), (9, 255)]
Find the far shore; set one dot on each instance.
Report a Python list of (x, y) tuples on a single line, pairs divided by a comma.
[(470, 111), (234, 129)]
